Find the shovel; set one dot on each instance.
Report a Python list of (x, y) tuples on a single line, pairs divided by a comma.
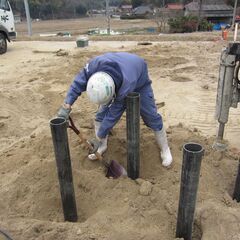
[(114, 169)]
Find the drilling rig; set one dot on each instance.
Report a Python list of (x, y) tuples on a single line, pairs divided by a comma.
[(228, 91)]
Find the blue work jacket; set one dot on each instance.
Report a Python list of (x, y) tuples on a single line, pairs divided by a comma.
[(129, 73)]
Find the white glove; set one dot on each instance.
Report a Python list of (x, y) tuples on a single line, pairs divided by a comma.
[(103, 142), (64, 111), (102, 148)]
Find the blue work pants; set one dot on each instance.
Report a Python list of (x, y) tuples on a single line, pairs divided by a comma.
[(148, 109)]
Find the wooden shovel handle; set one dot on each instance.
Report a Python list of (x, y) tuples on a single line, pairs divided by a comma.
[(83, 139)]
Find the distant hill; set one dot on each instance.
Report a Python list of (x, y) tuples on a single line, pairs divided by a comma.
[(47, 9)]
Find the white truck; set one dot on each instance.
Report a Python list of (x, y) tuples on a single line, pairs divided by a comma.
[(7, 27)]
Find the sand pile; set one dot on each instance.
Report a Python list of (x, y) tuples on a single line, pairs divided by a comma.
[(30, 204)]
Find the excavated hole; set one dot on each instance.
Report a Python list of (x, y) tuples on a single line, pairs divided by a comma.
[(88, 189), (197, 232), (38, 195)]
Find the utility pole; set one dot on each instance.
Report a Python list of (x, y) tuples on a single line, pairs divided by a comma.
[(234, 12), (108, 17), (199, 15), (28, 17)]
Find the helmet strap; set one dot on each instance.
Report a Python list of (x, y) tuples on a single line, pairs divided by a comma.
[(109, 104)]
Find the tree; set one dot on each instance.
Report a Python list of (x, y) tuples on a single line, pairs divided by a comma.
[(46, 9), (158, 3), (55, 6), (231, 2), (126, 2), (161, 19), (81, 9), (34, 7), (93, 4), (115, 2), (137, 3)]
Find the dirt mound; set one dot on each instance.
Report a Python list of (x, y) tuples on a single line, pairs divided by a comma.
[(30, 204), (214, 219), (108, 209)]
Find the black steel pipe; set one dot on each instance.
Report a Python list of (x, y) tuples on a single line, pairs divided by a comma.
[(64, 168), (236, 193), (133, 134), (192, 158)]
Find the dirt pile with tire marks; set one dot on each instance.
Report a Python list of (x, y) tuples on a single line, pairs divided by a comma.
[(30, 204)]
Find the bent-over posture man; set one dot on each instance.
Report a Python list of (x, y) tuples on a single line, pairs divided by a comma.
[(108, 79)]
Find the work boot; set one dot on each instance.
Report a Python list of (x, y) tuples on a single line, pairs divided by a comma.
[(161, 138)]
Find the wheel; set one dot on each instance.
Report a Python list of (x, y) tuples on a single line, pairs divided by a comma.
[(3, 44)]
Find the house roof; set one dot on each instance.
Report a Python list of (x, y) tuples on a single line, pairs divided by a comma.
[(142, 10), (194, 6), (222, 7), (175, 6), (218, 14)]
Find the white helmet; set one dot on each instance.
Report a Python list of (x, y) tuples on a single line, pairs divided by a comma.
[(100, 88)]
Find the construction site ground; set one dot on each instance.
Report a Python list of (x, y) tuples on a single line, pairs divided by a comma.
[(34, 78)]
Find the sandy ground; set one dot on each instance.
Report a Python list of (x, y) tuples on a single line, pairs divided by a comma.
[(34, 77), (82, 25)]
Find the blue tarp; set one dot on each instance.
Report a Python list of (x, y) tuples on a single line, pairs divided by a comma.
[(219, 26)]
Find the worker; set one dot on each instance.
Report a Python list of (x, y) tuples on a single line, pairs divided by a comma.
[(107, 80)]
